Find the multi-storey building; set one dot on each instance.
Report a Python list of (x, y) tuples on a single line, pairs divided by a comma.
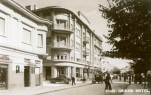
[(72, 46), (22, 46)]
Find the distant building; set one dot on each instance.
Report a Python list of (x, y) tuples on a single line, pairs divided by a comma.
[(106, 66), (72, 46), (22, 46)]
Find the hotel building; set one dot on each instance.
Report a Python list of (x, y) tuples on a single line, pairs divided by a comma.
[(72, 46), (22, 46)]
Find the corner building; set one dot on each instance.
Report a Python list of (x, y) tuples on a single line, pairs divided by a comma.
[(72, 46), (22, 46)]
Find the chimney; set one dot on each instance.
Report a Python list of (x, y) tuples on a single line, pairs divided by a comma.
[(35, 7)]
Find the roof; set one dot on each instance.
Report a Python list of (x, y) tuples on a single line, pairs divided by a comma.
[(68, 10), (26, 12)]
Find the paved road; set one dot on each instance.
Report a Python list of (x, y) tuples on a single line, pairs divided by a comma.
[(94, 89)]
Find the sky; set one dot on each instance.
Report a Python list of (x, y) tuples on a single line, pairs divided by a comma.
[(90, 8)]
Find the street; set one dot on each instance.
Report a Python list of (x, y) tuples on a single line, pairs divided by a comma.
[(93, 89)]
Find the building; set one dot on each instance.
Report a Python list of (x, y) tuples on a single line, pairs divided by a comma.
[(22, 46), (72, 46)]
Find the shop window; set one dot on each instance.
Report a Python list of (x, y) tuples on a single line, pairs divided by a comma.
[(17, 69)]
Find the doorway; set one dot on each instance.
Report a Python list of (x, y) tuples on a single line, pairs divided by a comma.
[(37, 76), (27, 76), (3, 76), (48, 73)]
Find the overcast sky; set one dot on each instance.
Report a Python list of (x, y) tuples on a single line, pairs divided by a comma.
[(89, 8)]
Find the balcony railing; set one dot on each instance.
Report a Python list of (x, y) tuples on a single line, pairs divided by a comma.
[(64, 29), (61, 45)]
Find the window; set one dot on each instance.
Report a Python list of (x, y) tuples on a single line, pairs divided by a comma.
[(57, 56), (26, 36), (61, 57), (61, 40), (77, 72), (2, 26), (77, 46), (61, 24), (40, 40), (78, 60), (71, 27), (78, 33), (17, 69)]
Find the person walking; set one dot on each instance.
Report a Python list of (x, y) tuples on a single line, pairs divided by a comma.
[(73, 81), (148, 80), (84, 79), (107, 82), (130, 78)]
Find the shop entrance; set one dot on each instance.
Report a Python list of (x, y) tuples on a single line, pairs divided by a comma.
[(27, 76), (48, 73), (3, 76), (37, 75)]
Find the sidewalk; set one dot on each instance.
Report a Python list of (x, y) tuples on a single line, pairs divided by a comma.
[(47, 87), (136, 89)]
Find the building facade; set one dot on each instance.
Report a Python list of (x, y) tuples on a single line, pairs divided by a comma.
[(72, 46), (22, 46)]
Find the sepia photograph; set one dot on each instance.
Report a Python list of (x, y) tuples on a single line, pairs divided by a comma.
[(75, 47)]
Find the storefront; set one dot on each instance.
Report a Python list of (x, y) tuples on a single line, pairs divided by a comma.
[(4, 62), (3, 76)]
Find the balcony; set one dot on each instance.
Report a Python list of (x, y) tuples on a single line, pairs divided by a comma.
[(86, 39), (61, 46), (62, 29)]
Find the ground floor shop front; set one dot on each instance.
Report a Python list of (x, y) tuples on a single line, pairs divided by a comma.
[(68, 69), (19, 70)]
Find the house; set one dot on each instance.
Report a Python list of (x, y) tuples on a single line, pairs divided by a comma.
[(22, 46)]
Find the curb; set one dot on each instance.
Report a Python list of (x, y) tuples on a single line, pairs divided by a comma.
[(63, 89)]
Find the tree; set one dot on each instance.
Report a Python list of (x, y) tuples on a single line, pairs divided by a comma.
[(129, 23)]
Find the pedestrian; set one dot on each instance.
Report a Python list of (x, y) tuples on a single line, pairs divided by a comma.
[(130, 78), (135, 78), (125, 77), (73, 81), (148, 80), (84, 79), (120, 77), (107, 82), (140, 79)]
